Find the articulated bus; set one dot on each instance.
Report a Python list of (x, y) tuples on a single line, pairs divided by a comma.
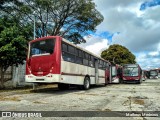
[(132, 73), (116, 74), (53, 59)]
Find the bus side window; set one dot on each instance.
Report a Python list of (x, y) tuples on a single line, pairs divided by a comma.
[(64, 56), (107, 66), (68, 53), (79, 60), (68, 57), (78, 54), (71, 49), (85, 59), (100, 64), (76, 51), (91, 61), (64, 47)]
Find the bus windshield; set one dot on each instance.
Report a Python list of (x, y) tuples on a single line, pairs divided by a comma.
[(43, 47), (130, 71), (153, 73)]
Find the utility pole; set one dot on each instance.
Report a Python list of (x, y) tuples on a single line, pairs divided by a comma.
[(34, 26)]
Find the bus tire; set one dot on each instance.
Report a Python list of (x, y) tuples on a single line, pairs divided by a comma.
[(139, 82), (86, 83), (63, 86)]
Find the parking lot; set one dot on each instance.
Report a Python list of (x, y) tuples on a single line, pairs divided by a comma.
[(114, 97)]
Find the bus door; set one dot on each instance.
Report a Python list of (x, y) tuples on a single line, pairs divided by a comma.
[(96, 70), (115, 74)]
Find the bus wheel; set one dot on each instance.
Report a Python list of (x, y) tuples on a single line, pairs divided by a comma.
[(62, 86), (86, 84), (137, 82)]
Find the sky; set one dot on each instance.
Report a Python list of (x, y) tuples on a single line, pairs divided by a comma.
[(134, 24)]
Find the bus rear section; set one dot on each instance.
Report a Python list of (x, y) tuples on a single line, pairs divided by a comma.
[(131, 73), (43, 60)]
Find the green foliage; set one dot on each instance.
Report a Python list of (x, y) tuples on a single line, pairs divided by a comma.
[(13, 45), (71, 19), (118, 54)]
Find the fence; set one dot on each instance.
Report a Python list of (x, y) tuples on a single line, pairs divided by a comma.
[(8, 74), (18, 76)]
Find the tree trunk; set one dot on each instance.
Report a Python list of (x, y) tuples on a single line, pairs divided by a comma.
[(1, 78)]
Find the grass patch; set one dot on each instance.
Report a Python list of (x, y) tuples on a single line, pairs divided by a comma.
[(15, 98), (139, 101), (39, 102), (129, 97), (92, 94), (103, 110), (107, 109)]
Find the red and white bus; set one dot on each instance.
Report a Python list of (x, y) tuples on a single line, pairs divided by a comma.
[(116, 74), (132, 73), (53, 59)]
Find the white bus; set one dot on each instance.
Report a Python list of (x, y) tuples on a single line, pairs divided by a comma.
[(53, 59)]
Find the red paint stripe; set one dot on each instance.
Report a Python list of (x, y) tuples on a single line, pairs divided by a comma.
[(72, 74)]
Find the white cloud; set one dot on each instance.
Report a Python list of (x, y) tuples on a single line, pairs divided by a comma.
[(148, 61), (155, 53), (152, 13), (98, 47), (95, 44), (141, 57), (139, 30), (136, 27)]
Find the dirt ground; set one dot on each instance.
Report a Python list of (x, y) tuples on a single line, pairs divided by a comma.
[(100, 99)]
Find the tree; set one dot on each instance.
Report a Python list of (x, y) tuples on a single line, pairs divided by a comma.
[(71, 19), (13, 44), (118, 54)]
